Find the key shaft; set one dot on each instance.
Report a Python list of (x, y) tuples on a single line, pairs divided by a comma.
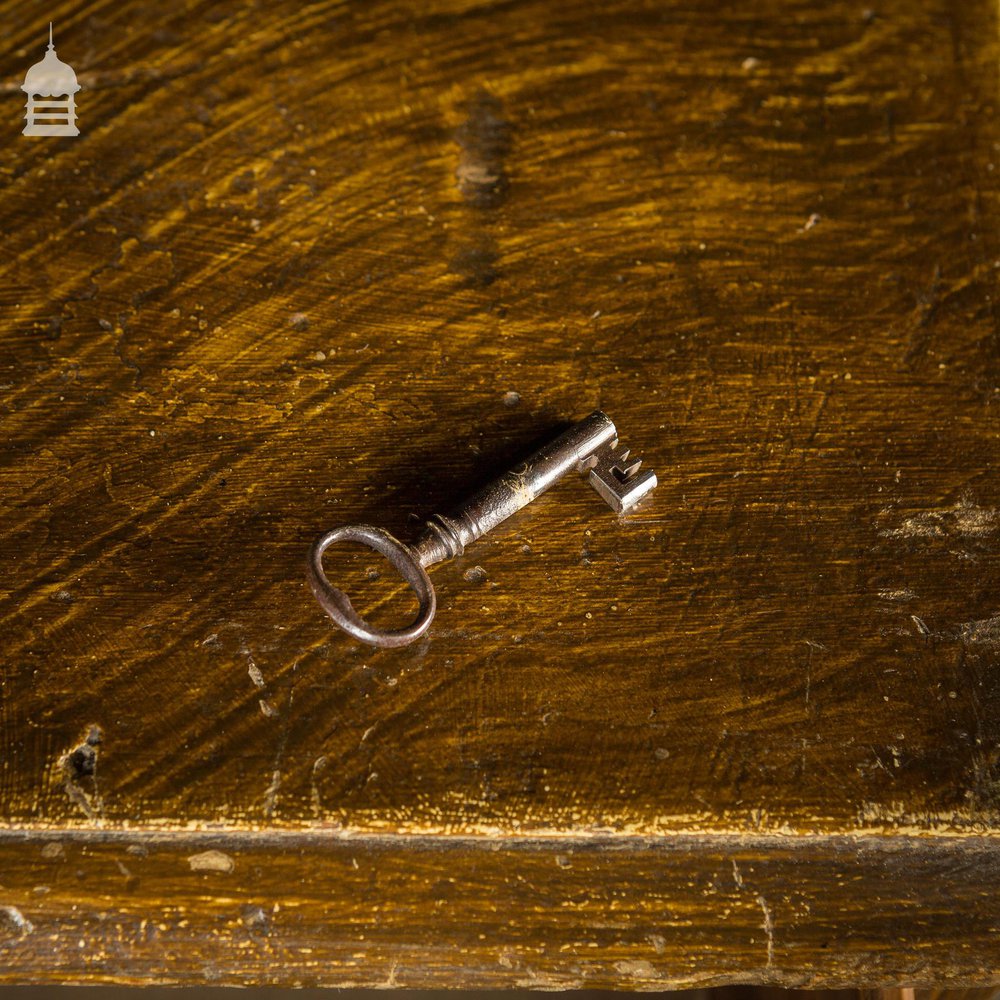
[(447, 535)]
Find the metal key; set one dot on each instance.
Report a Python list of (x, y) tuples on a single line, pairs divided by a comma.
[(590, 447)]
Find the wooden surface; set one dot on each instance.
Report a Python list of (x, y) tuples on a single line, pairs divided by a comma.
[(310, 264)]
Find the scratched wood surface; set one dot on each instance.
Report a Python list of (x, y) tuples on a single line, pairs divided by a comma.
[(314, 263)]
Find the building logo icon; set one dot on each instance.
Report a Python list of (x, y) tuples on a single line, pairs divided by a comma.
[(51, 78)]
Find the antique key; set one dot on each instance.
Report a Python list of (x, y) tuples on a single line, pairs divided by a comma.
[(590, 447)]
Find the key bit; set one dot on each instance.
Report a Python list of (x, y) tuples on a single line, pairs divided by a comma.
[(589, 446), (617, 479)]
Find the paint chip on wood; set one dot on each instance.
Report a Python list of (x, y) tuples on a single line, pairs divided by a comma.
[(211, 861), (639, 968), (13, 919)]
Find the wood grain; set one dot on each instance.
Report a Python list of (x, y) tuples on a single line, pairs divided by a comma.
[(413, 912), (318, 263)]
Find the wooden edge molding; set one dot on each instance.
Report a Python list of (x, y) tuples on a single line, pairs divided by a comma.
[(121, 906)]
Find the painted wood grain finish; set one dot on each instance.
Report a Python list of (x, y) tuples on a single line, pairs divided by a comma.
[(310, 264), (380, 911)]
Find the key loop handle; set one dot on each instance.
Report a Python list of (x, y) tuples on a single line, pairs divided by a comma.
[(338, 605)]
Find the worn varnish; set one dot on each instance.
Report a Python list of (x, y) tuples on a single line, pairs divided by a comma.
[(384, 912), (310, 264)]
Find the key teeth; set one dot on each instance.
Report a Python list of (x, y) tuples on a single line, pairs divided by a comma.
[(618, 481), (628, 471)]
